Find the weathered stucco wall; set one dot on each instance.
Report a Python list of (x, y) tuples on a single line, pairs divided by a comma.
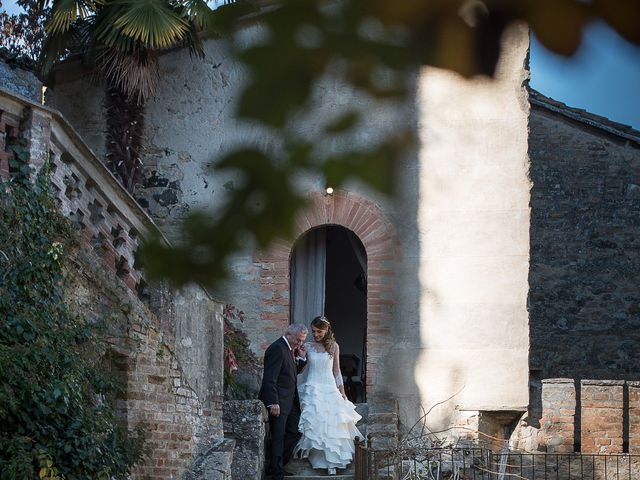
[(80, 100), (473, 221), (197, 324)]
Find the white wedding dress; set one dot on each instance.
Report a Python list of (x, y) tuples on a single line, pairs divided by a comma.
[(327, 422)]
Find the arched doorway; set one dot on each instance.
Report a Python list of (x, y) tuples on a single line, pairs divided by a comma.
[(328, 272), (380, 240)]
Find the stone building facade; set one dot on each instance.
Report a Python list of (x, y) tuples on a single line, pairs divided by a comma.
[(446, 314), (500, 280), (583, 282)]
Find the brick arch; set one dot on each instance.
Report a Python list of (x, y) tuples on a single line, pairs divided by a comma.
[(380, 240)]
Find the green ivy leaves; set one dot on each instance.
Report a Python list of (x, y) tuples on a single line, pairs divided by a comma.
[(52, 425)]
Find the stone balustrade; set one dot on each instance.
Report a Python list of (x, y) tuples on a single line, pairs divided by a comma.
[(106, 215)]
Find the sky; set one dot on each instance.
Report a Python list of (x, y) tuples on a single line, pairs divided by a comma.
[(602, 78)]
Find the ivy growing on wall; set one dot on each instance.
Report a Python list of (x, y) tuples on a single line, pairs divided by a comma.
[(57, 417)]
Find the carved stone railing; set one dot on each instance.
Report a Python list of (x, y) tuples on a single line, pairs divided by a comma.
[(106, 215)]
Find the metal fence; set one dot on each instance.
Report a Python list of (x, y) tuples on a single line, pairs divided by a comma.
[(484, 464)]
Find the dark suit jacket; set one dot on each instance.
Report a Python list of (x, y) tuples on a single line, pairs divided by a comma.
[(279, 382)]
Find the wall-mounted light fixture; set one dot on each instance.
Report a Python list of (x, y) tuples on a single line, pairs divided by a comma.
[(329, 190)]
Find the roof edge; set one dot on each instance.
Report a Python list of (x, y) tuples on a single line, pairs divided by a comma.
[(582, 116)]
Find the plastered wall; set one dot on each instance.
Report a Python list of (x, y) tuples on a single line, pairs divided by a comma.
[(457, 325)]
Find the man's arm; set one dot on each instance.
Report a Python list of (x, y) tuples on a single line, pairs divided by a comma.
[(272, 365)]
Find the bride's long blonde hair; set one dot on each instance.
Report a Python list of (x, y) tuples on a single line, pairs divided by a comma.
[(329, 339)]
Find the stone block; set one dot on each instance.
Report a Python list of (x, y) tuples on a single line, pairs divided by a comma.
[(602, 416), (215, 463), (558, 415), (245, 421), (634, 417)]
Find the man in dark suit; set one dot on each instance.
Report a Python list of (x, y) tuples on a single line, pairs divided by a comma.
[(283, 360)]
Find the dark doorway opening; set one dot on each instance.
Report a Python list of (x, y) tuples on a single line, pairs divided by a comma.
[(345, 295)]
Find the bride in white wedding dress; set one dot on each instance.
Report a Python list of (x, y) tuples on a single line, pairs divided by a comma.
[(328, 420)]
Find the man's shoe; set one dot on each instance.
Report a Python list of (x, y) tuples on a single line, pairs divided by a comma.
[(287, 473)]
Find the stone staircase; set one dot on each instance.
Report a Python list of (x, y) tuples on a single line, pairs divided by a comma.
[(303, 471), (382, 423), (379, 419)]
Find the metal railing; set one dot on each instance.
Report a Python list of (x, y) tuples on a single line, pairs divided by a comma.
[(484, 464)]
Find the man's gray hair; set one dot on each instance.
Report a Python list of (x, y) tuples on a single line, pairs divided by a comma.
[(296, 328)]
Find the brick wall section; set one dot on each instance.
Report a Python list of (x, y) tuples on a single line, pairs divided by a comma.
[(584, 301), (380, 241), (106, 229), (558, 415), (159, 398), (602, 416), (87, 193), (141, 353), (634, 416)]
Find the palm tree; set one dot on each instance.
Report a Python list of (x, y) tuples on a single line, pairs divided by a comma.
[(121, 39)]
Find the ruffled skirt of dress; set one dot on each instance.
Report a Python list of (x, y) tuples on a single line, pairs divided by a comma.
[(328, 427)]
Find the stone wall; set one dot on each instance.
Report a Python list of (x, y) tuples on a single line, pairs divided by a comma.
[(165, 345), (246, 422), (584, 301), (16, 75), (158, 396)]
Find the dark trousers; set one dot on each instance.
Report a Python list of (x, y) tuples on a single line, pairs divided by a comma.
[(284, 436)]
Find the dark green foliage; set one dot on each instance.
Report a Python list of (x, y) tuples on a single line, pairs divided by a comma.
[(56, 412), (375, 48)]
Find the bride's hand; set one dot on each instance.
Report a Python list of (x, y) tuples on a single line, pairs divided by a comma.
[(302, 351), (341, 390)]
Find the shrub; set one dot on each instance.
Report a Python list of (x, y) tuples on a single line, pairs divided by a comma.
[(57, 419)]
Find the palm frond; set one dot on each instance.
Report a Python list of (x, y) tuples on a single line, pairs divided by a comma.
[(152, 24), (199, 12), (106, 34), (53, 48), (135, 74), (193, 41), (65, 12)]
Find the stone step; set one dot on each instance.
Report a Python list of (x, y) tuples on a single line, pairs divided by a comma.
[(383, 417), (301, 469), (321, 477)]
